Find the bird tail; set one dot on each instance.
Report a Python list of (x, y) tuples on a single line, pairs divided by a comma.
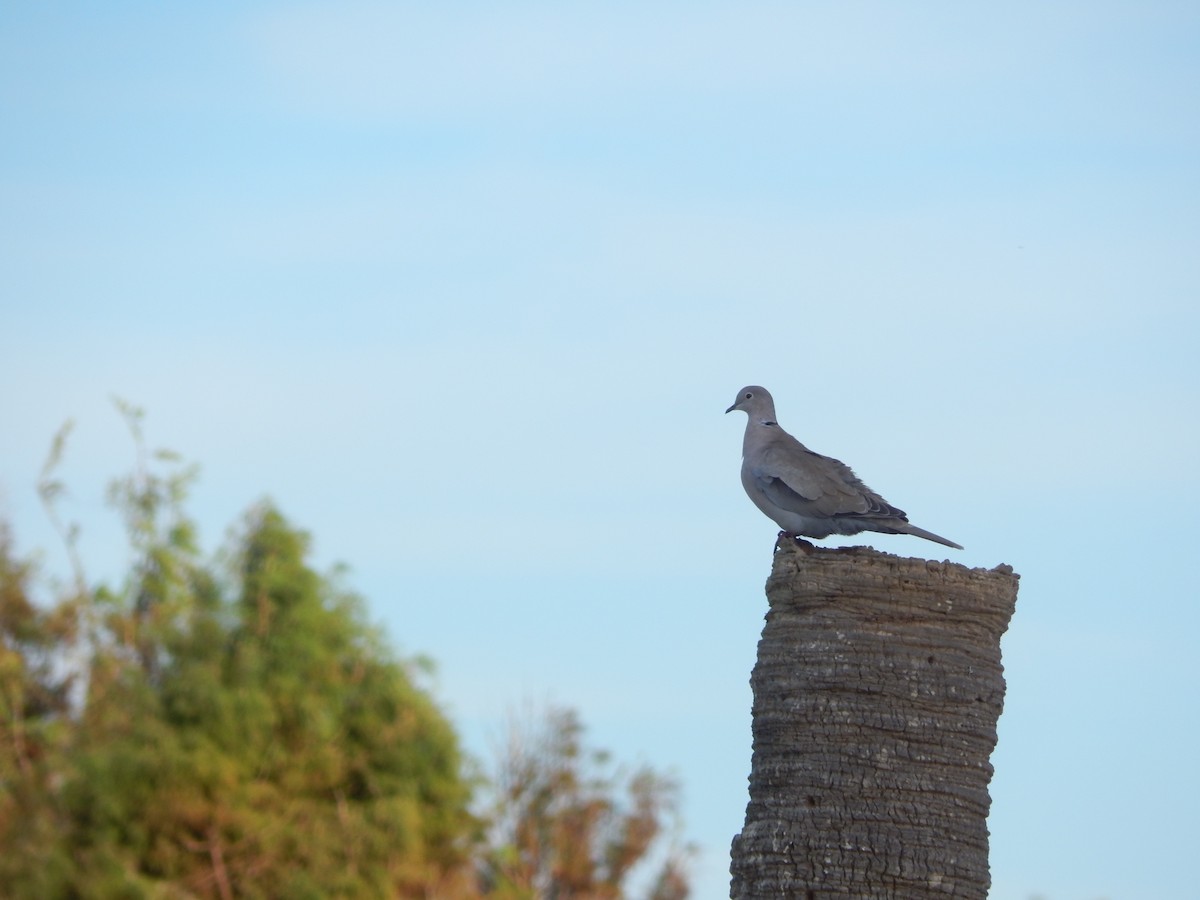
[(929, 536)]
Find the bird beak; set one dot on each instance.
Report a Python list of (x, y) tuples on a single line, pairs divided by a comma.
[(731, 409)]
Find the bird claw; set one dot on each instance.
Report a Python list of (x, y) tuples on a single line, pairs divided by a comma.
[(796, 540)]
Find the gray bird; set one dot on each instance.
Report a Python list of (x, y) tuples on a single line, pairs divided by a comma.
[(804, 492)]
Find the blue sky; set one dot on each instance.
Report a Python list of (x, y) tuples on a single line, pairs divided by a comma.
[(466, 289)]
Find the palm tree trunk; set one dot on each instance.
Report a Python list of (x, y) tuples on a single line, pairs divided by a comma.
[(876, 694)]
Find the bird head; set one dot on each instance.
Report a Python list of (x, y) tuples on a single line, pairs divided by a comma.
[(753, 399)]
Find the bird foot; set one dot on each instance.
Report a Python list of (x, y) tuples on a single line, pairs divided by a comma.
[(785, 537)]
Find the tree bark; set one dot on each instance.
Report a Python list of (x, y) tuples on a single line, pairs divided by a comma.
[(876, 694)]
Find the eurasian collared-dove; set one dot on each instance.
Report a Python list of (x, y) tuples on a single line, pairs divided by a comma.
[(806, 493)]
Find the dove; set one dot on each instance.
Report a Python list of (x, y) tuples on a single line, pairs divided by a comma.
[(804, 492)]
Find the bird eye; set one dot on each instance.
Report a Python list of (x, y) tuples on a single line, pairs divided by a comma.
[(749, 394)]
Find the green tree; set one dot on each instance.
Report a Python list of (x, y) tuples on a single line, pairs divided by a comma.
[(244, 732), (34, 728)]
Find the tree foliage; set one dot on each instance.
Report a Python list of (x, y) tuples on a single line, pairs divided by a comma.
[(34, 727), (237, 729), (566, 823)]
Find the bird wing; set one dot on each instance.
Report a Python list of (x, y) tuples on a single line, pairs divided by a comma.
[(804, 482)]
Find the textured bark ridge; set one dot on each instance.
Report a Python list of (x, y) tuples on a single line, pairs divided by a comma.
[(876, 694)]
